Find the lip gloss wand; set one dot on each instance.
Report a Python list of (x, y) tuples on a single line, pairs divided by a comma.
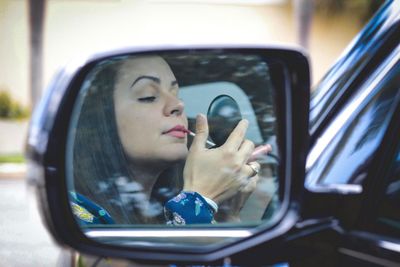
[(208, 141)]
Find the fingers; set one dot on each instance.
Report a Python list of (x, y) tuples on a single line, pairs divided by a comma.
[(251, 169), (251, 185), (235, 139), (200, 139), (260, 151), (246, 150)]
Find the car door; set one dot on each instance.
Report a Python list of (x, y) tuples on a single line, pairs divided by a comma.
[(352, 167), (375, 237)]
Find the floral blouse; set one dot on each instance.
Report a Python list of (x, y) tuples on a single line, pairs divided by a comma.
[(185, 208), (188, 208)]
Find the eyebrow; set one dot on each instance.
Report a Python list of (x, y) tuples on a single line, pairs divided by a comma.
[(152, 78)]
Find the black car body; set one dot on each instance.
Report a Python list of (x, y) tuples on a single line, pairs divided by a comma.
[(354, 153)]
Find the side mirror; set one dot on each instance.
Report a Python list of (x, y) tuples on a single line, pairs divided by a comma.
[(111, 147)]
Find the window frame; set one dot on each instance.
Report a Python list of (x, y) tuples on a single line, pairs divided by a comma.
[(362, 97)]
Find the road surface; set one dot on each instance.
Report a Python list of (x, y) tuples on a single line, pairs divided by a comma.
[(23, 239)]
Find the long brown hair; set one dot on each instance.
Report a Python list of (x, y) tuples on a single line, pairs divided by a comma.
[(100, 166)]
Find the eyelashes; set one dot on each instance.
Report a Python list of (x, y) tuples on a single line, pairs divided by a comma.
[(152, 98), (147, 99)]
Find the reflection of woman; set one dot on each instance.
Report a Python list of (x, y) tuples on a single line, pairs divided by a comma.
[(131, 139)]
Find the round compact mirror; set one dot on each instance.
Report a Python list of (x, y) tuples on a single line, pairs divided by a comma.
[(223, 115)]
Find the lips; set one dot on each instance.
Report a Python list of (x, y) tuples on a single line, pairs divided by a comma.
[(179, 131)]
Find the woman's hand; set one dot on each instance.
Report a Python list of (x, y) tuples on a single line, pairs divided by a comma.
[(218, 173), (229, 210)]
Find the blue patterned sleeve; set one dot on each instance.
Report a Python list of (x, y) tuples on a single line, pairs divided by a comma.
[(87, 212), (188, 208)]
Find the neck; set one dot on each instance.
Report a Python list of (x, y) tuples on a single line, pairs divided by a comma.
[(145, 176)]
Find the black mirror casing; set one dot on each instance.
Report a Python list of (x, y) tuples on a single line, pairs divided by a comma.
[(46, 150)]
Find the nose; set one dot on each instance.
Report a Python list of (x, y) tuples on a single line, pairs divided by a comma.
[(174, 106)]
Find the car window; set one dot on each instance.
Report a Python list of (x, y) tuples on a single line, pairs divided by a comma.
[(134, 127), (345, 148), (364, 51)]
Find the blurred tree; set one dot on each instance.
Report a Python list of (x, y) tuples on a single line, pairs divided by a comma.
[(37, 11), (10, 109), (363, 9), (304, 10), (5, 104)]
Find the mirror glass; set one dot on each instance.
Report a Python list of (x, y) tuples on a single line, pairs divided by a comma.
[(141, 155)]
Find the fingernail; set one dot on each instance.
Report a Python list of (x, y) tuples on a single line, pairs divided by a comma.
[(269, 147), (260, 151), (200, 116)]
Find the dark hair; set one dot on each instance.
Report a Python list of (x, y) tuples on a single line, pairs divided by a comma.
[(100, 165)]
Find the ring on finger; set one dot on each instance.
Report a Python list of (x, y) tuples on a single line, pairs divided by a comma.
[(255, 167)]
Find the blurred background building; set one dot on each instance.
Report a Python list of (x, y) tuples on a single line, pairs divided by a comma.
[(76, 27)]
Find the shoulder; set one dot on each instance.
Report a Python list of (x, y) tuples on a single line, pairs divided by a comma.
[(88, 212)]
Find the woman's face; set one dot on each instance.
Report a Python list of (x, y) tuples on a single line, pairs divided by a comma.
[(150, 118)]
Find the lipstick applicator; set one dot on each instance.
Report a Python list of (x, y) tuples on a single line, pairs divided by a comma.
[(211, 144)]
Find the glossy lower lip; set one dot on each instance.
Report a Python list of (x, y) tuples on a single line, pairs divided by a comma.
[(179, 131), (177, 134)]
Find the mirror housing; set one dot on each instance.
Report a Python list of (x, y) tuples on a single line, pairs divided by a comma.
[(46, 150)]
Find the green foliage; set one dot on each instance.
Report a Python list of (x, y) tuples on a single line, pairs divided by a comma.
[(10, 109), (363, 9), (13, 158), (5, 104)]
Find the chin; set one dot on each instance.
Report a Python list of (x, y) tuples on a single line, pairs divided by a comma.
[(175, 154)]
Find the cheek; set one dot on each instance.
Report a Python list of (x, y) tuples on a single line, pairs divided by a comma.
[(130, 130), (137, 130)]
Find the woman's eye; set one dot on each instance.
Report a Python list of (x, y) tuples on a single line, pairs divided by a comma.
[(147, 99)]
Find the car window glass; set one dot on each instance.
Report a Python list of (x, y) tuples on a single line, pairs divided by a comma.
[(132, 131), (347, 154), (346, 71)]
